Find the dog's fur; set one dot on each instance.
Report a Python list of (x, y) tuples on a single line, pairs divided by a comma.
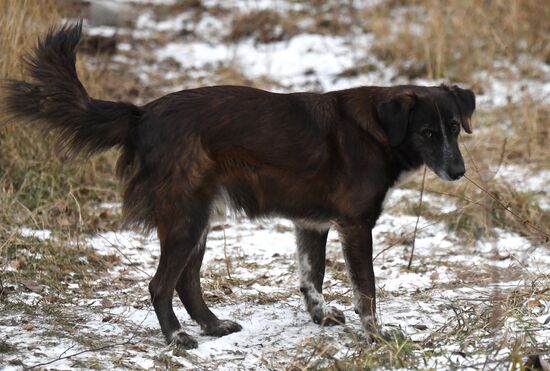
[(318, 159)]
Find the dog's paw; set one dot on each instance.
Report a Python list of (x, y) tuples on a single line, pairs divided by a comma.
[(222, 328), (376, 334), (180, 339), (392, 335), (329, 316), (370, 324), (385, 336), (371, 327)]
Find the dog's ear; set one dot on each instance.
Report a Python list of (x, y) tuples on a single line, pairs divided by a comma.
[(393, 115), (466, 100)]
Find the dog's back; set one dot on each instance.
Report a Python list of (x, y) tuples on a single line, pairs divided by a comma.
[(271, 153)]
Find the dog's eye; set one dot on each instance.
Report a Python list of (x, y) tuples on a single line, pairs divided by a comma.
[(455, 128), (427, 133)]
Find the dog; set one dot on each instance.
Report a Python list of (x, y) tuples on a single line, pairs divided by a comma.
[(321, 160)]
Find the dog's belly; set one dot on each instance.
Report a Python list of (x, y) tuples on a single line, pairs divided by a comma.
[(317, 225), (309, 211), (223, 206)]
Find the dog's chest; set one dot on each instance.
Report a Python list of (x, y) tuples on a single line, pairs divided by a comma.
[(403, 177)]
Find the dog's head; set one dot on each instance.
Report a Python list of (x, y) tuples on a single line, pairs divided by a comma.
[(424, 122)]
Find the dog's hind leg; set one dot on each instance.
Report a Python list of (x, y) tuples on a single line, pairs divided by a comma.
[(179, 236), (190, 293), (311, 261)]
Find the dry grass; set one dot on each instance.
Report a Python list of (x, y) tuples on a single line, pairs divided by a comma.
[(475, 334), (21, 23), (454, 39), (45, 194), (163, 11), (516, 133), (477, 214), (49, 266), (263, 26)]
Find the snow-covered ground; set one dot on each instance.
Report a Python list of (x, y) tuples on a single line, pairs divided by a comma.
[(306, 61), (249, 274)]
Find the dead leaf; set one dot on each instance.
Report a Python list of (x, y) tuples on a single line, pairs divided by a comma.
[(28, 326), (32, 285), (59, 208), (63, 222), (107, 303), (15, 264), (434, 276), (6, 290), (111, 259)]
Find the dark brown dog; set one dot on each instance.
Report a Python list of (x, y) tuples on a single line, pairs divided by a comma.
[(318, 159)]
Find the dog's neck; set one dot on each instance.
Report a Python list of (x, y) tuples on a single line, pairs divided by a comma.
[(406, 164)]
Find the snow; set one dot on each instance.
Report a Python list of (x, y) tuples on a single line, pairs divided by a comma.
[(41, 234), (275, 330), (294, 62), (501, 92), (524, 178)]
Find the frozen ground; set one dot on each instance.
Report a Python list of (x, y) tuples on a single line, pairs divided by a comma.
[(257, 285), (249, 273)]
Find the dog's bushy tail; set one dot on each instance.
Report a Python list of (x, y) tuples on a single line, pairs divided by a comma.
[(56, 100)]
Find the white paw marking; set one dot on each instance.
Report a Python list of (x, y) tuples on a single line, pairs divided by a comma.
[(176, 334), (369, 323), (226, 325), (315, 302)]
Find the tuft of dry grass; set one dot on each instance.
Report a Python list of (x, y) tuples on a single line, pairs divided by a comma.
[(21, 23), (163, 11), (474, 336), (49, 266), (34, 179), (264, 26), (454, 39)]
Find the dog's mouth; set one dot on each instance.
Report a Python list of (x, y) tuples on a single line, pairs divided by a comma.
[(443, 175), (447, 176)]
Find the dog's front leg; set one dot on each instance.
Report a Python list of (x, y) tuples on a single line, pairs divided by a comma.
[(311, 262), (357, 245)]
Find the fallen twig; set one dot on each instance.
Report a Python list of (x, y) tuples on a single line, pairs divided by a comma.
[(130, 261), (81, 352), (62, 356)]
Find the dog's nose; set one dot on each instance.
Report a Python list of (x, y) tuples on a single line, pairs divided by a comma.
[(457, 175), (456, 172)]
